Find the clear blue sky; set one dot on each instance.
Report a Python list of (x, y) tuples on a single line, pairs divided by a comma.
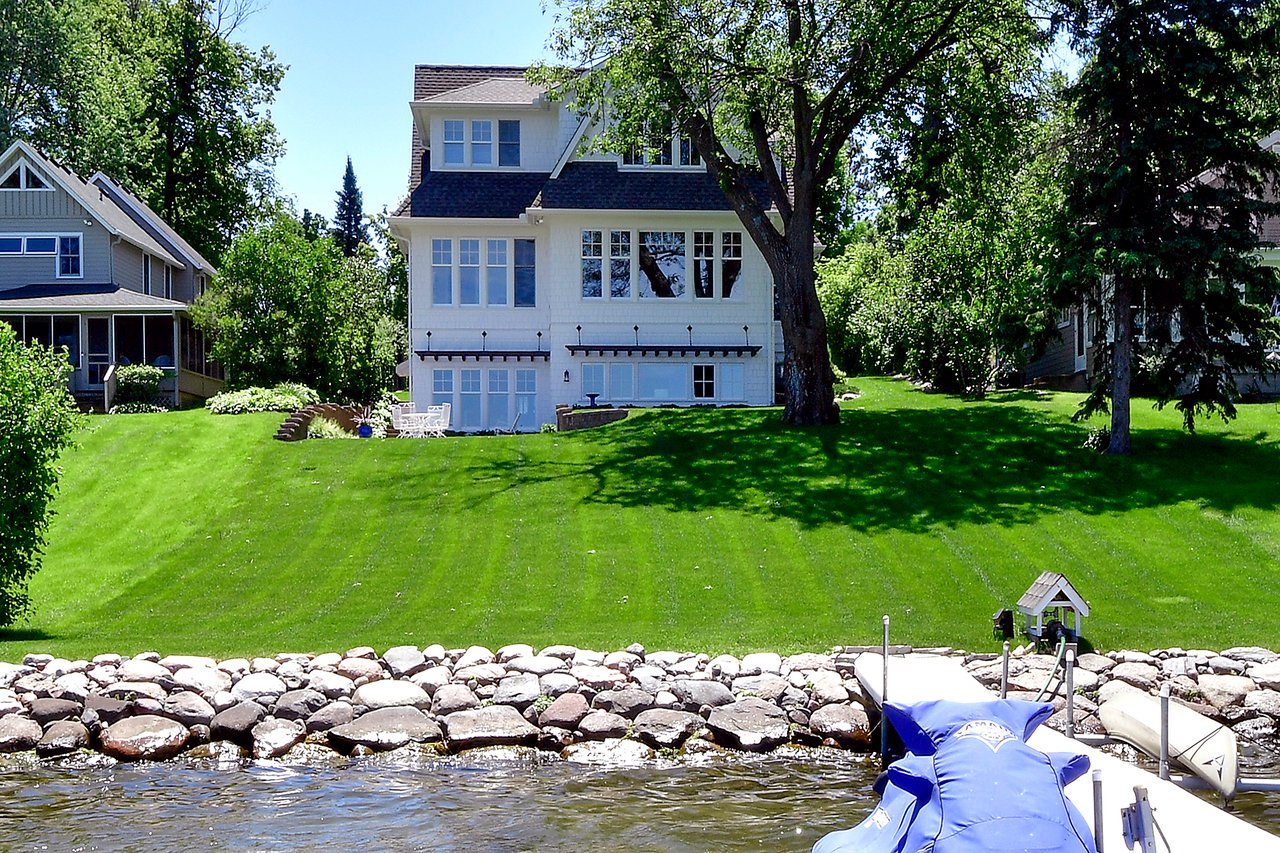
[(350, 80)]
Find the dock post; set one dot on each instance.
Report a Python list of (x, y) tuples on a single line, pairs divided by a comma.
[(1164, 730), (1004, 673), (1071, 691), (884, 696), (1097, 810)]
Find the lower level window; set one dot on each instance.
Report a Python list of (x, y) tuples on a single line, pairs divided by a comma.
[(658, 381), (469, 399), (526, 394), (593, 379), (441, 387), (704, 381), (732, 382)]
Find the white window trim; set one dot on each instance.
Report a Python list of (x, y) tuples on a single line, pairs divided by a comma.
[(57, 257), (23, 168), (494, 142), (56, 237), (673, 149), (455, 266), (717, 275)]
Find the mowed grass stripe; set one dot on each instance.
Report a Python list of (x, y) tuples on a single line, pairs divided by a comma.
[(186, 532)]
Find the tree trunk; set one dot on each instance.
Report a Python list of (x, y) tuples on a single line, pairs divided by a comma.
[(1122, 365), (806, 367)]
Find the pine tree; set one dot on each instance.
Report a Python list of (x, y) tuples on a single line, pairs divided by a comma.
[(349, 229), (1166, 192)]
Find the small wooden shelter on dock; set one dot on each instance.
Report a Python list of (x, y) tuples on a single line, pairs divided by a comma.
[(1049, 600)]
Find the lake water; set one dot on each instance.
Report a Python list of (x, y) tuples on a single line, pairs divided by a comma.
[(488, 801)]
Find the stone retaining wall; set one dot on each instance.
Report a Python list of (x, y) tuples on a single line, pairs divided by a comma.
[(559, 699), (569, 418)]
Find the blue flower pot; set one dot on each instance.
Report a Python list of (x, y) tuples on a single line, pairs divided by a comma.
[(364, 431)]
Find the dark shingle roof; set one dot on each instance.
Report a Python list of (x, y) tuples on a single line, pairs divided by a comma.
[(603, 186), (432, 80), (68, 297), (480, 195)]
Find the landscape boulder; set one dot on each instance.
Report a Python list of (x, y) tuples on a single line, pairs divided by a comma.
[(495, 725), (385, 729), (848, 725), (391, 694), (665, 729), (18, 734), (750, 724), (62, 737), (565, 712), (236, 723), (274, 737), (144, 738)]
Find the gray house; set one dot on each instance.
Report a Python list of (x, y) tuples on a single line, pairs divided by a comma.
[(86, 265)]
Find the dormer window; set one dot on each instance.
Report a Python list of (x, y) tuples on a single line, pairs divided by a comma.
[(664, 151), (471, 142), (22, 177)]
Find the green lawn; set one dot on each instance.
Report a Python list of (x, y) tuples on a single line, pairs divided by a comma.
[(694, 529)]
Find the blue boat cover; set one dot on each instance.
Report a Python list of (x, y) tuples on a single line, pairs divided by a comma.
[(969, 783)]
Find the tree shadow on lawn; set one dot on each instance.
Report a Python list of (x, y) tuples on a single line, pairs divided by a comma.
[(25, 635), (902, 469)]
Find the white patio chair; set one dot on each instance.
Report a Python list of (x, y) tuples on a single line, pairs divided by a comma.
[(398, 422), (436, 420)]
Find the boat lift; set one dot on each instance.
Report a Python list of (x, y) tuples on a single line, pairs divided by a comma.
[(1161, 808)]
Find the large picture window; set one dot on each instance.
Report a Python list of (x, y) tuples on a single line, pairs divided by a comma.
[(661, 381), (441, 387), (469, 397), (662, 273)]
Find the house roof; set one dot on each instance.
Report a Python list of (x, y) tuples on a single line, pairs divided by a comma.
[(511, 91), (603, 186), (59, 298), (95, 201), (431, 81), (132, 204), (476, 195), (1050, 590)]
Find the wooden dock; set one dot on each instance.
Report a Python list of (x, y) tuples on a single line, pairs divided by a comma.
[(1189, 823)]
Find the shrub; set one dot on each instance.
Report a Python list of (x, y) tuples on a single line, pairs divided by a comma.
[(39, 418), (322, 427), (138, 389), (286, 397)]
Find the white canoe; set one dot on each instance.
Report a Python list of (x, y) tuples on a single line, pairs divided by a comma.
[(1202, 746)]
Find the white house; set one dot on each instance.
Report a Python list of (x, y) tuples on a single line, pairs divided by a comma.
[(541, 274)]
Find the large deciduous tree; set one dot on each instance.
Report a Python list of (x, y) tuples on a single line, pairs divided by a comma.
[(1167, 191), (285, 308), (156, 93), (769, 91), (37, 420)]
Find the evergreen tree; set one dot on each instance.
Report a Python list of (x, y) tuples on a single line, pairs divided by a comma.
[(1165, 197), (349, 229)]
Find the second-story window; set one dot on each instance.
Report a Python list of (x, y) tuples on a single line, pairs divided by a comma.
[(68, 257), (455, 150), (146, 274), (592, 265), (471, 142), (441, 272), (662, 264), (526, 274), (731, 261), (620, 264), (704, 264), (496, 272), (509, 142), (168, 282), (469, 272), (481, 143)]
